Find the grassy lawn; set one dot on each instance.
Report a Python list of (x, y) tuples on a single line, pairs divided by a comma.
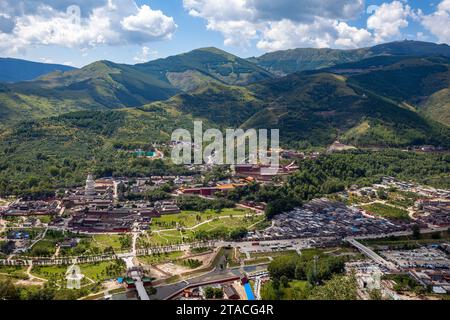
[(229, 223), (49, 272), (13, 272), (109, 240), (260, 260), (160, 258), (387, 211), (189, 219), (425, 238), (270, 254), (403, 199), (166, 237), (296, 290), (103, 270), (44, 248), (95, 271), (44, 219)]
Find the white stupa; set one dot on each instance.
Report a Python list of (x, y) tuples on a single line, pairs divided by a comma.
[(89, 190), (74, 277)]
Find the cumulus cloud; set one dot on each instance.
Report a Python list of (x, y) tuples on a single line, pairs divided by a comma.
[(94, 22), (283, 24), (322, 33), (305, 10), (438, 23), (388, 20), (145, 55), (153, 23)]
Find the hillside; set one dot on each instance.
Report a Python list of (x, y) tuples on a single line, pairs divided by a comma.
[(416, 83), (16, 70), (191, 70), (437, 106), (379, 101), (98, 86), (106, 85), (313, 110), (317, 109), (41, 155), (290, 61)]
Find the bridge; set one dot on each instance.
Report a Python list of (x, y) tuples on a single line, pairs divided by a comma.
[(134, 273), (371, 254)]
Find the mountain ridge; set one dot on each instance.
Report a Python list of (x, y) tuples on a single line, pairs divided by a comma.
[(16, 70), (284, 62)]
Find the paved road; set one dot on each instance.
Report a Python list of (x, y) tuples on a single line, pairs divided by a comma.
[(165, 292), (371, 254)]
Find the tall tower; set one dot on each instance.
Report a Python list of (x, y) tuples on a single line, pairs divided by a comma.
[(89, 190)]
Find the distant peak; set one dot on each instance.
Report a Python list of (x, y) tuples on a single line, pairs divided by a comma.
[(213, 50)]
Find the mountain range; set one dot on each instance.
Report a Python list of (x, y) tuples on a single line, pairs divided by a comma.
[(393, 94), (16, 70), (55, 128)]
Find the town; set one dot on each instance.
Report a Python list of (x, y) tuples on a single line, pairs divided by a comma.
[(138, 238)]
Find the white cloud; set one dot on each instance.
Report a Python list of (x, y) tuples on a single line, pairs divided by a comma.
[(352, 37), (153, 23), (111, 22), (438, 23), (322, 33), (388, 20), (283, 24), (145, 55)]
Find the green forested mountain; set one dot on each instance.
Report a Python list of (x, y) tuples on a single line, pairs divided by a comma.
[(290, 61), (377, 101), (437, 106), (417, 83), (320, 108), (315, 110), (99, 86), (15, 70), (106, 85), (194, 69), (41, 155), (55, 128)]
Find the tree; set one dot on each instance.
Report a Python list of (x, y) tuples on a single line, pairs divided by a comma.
[(375, 294), (209, 293), (382, 194), (338, 288), (8, 291), (283, 266), (416, 231), (284, 281)]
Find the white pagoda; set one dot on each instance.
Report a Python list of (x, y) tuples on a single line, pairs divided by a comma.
[(89, 190)]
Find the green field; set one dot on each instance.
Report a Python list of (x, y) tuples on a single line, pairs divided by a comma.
[(44, 248), (255, 261), (410, 241), (270, 254), (403, 199), (114, 241), (387, 211), (296, 290), (45, 219), (13, 272), (189, 219), (222, 222), (94, 271), (160, 258)]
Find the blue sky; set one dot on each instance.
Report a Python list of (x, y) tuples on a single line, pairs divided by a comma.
[(132, 31)]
